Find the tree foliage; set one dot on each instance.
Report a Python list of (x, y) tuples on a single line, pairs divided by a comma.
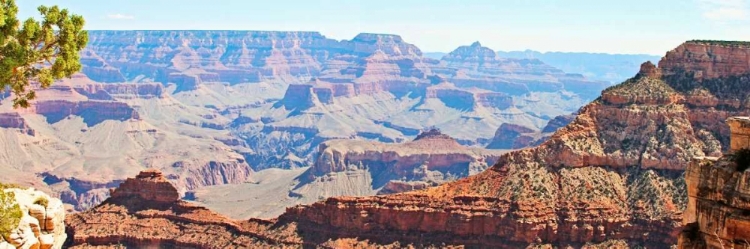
[(38, 51), (10, 212)]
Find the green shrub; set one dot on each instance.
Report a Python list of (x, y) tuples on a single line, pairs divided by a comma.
[(10, 212), (42, 200), (742, 159)]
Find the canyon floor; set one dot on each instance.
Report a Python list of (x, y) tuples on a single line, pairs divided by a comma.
[(266, 197)]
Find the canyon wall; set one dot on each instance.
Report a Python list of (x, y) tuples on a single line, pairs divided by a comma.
[(614, 173), (718, 211)]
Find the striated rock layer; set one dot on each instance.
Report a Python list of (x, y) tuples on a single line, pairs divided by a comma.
[(145, 211), (614, 173), (80, 137), (42, 222), (718, 212)]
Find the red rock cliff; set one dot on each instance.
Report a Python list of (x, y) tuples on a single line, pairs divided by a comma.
[(718, 212), (614, 173)]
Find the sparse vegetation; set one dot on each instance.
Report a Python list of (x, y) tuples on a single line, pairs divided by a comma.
[(722, 43), (742, 159), (42, 200), (10, 212), (726, 87)]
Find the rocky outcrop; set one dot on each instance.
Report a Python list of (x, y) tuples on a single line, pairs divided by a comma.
[(87, 193), (99, 70), (184, 82), (510, 136), (614, 173), (145, 211), (430, 151), (94, 112), (708, 59), (150, 185), (42, 224), (558, 122), (127, 90), (92, 102), (718, 212), (468, 99), (13, 120)]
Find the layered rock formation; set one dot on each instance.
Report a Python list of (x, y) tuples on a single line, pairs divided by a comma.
[(348, 167), (142, 216), (467, 94), (431, 149), (614, 173), (205, 106), (42, 224), (511, 136), (718, 212), (370, 87), (145, 211), (81, 137)]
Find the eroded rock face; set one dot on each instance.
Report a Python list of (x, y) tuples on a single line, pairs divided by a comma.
[(132, 221), (716, 216), (468, 94), (431, 158), (615, 172), (718, 212), (15, 121), (146, 211), (558, 122), (81, 137), (707, 59), (149, 185), (510, 136), (42, 224)]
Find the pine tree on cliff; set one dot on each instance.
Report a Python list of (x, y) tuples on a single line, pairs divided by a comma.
[(38, 51)]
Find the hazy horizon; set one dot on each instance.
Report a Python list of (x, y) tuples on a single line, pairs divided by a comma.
[(633, 27)]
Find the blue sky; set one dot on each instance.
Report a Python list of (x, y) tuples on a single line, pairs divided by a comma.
[(633, 26)]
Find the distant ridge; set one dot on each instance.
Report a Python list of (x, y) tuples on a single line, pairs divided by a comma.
[(614, 68)]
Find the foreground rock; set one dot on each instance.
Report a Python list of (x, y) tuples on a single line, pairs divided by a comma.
[(718, 212), (42, 224), (146, 211)]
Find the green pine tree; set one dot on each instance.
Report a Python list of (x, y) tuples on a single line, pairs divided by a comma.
[(38, 51), (10, 212)]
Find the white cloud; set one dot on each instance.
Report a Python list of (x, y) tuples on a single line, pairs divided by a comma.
[(725, 10), (120, 17)]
